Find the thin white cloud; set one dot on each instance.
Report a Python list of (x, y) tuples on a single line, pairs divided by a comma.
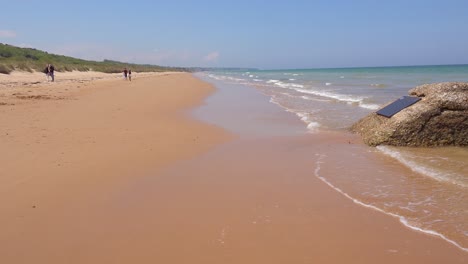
[(213, 56), (7, 34)]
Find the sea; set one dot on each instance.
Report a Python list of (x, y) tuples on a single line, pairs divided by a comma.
[(425, 188)]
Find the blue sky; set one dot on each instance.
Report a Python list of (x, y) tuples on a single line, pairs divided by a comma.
[(261, 34)]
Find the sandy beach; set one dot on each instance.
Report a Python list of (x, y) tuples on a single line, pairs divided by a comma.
[(95, 169), (68, 148)]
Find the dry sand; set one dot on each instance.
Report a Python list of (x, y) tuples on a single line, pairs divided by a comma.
[(109, 171), (63, 157), (18, 85)]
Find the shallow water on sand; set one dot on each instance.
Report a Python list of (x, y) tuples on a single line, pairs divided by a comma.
[(425, 188), (334, 99), (257, 200)]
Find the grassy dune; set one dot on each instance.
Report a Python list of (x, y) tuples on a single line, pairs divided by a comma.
[(27, 59)]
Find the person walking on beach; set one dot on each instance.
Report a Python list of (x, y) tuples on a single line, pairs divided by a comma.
[(46, 71), (129, 75), (125, 72), (51, 72)]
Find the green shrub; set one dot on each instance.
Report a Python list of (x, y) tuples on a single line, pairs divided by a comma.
[(5, 54), (31, 57)]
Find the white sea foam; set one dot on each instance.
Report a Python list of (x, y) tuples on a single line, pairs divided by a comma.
[(288, 85), (235, 79), (292, 79), (225, 78), (420, 169), (312, 126), (215, 77), (369, 106), (300, 88), (328, 84), (402, 219), (341, 97), (303, 116)]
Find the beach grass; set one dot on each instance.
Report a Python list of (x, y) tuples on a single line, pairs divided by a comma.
[(28, 59)]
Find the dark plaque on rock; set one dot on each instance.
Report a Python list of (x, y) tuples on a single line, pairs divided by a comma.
[(398, 105)]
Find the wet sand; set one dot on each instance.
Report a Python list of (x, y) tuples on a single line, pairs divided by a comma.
[(258, 201), (295, 161), (119, 174)]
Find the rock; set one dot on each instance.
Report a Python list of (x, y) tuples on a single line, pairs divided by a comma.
[(440, 118)]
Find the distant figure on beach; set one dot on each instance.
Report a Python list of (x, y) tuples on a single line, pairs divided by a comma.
[(51, 72), (46, 71), (129, 75), (125, 72)]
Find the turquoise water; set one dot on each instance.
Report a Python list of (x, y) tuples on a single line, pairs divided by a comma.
[(427, 188), (336, 98)]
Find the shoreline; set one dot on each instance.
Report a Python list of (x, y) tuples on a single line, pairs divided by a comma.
[(384, 167), (350, 139), (176, 189), (400, 218)]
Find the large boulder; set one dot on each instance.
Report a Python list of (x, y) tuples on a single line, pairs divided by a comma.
[(440, 118)]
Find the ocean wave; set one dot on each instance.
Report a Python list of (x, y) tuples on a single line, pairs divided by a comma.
[(420, 169), (369, 106), (342, 98), (402, 219), (288, 85), (225, 78), (300, 88), (303, 116), (212, 76), (235, 79)]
